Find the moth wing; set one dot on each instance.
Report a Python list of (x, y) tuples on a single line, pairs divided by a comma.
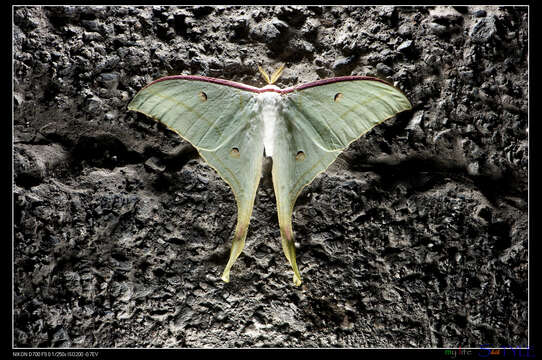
[(317, 123), (220, 121)]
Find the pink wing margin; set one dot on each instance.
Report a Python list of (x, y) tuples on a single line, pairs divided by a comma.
[(262, 90)]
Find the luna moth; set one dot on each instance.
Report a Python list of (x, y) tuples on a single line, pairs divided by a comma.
[(302, 128)]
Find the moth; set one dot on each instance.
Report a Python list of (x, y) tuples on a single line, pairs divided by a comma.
[(302, 128)]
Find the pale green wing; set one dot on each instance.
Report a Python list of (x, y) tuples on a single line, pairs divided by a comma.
[(317, 122), (221, 121)]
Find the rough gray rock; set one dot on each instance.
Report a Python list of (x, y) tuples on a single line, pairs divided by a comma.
[(415, 237), (483, 30)]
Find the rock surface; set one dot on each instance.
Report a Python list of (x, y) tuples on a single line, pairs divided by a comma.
[(415, 237)]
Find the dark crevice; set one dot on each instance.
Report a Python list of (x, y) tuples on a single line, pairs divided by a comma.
[(104, 151), (175, 160), (108, 151), (424, 173), (28, 180)]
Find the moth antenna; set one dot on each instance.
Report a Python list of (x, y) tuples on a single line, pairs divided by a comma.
[(277, 73), (264, 74)]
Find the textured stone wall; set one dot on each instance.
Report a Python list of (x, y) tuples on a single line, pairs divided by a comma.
[(415, 237)]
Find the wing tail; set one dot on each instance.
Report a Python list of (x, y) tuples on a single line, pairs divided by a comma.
[(288, 244), (238, 243)]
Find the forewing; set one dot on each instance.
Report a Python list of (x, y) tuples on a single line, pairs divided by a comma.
[(204, 113), (337, 113), (222, 123)]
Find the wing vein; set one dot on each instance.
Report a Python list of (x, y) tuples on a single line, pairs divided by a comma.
[(326, 123), (185, 106), (300, 178), (309, 122)]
